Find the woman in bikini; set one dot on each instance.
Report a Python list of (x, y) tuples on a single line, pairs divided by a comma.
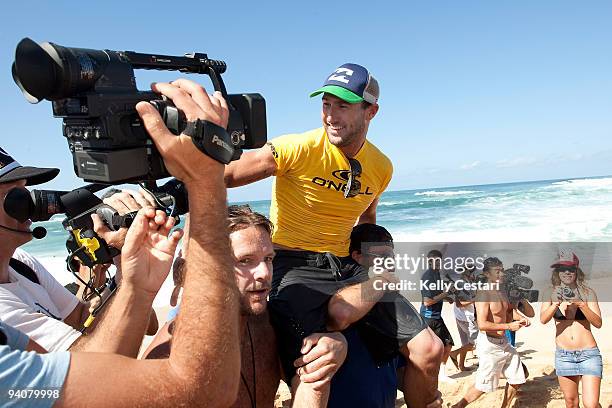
[(574, 307)]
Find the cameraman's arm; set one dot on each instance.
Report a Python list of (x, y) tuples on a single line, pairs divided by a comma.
[(81, 311), (98, 274), (78, 316), (192, 375), (121, 326), (253, 166)]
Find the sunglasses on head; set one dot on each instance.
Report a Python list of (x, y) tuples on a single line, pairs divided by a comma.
[(353, 186)]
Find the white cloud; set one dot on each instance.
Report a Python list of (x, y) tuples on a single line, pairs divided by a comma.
[(470, 166)]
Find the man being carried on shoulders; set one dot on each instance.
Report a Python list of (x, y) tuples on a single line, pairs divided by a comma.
[(327, 180)]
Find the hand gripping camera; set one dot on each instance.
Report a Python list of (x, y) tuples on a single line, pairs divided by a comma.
[(95, 93)]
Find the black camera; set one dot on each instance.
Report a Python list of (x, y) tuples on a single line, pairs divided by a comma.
[(78, 205), (95, 93), (41, 205), (517, 286)]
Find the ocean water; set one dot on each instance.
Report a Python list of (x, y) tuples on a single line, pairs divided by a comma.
[(539, 211)]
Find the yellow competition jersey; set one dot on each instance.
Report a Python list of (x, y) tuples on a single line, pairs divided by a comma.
[(308, 209)]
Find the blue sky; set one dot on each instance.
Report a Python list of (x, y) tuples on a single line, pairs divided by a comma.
[(472, 92)]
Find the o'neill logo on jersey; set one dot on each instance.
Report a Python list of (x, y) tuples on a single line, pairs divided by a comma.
[(339, 184)]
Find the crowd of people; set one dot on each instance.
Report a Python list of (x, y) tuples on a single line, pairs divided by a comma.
[(258, 301)]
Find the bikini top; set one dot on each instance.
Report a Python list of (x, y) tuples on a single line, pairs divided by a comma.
[(560, 316)]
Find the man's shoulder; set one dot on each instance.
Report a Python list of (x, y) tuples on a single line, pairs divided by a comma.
[(26, 258), (309, 138), (30, 261), (378, 156)]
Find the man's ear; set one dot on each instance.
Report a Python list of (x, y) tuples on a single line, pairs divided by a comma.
[(356, 255), (372, 110)]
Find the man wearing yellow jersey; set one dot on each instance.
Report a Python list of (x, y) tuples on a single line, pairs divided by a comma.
[(327, 180)]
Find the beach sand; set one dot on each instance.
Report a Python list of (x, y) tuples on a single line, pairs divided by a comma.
[(537, 347)]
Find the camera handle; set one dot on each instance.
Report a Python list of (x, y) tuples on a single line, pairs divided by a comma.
[(210, 139)]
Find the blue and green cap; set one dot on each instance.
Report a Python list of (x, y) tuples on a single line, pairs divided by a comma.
[(351, 83)]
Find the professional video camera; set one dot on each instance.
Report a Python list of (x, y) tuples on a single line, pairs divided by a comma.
[(517, 286), (95, 93), (78, 205)]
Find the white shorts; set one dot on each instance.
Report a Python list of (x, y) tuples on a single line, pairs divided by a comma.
[(496, 356), (468, 332)]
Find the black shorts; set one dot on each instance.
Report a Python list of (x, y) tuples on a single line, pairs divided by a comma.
[(438, 327), (303, 282)]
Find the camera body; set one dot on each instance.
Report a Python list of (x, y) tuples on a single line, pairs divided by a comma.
[(95, 94), (518, 286), (566, 293), (78, 205)]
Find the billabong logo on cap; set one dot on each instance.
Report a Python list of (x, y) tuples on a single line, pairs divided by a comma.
[(351, 83), (341, 78)]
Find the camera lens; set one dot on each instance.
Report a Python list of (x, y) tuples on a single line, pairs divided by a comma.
[(34, 71), (50, 71)]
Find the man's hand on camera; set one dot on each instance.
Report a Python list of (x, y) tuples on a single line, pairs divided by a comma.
[(149, 250), (127, 201), (124, 202), (181, 157)]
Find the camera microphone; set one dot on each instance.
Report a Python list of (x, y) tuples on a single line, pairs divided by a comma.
[(38, 232)]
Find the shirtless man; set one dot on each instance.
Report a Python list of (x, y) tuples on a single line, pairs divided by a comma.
[(322, 353), (496, 314)]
